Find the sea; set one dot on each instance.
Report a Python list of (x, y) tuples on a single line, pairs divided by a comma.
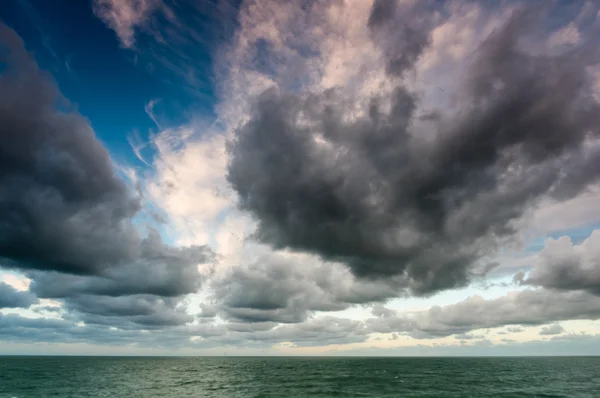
[(292, 377)]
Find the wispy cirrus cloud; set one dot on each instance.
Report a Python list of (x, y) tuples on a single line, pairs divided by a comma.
[(173, 40), (127, 16)]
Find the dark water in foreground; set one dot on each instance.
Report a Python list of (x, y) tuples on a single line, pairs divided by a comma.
[(299, 377)]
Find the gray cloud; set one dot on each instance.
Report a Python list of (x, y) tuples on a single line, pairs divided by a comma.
[(62, 207), (387, 202), (574, 337), (315, 332), (21, 329), (128, 312), (146, 293), (528, 307), (160, 270), (515, 329), (66, 218), (380, 311), (569, 347), (285, 288), (402, 30), (565, 266), (13, 298), (245, 327), (465, 336), (551, 330)]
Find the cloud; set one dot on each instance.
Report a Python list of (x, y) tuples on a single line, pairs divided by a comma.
[(551, 330), (528, 307), (160, 270), (402, 29), (173, 40), (280, 287), (189, 183), (581, 346), (565, 266), (558, 216), (569, 35), (464, 336), (320, 331), (67, 220), (515, 329), (62, 206), (382, 149), (13, 298), (346, 153), (126, 16), (21, 329), (574, 337), (363, 188), (316, 332), (128, 312)]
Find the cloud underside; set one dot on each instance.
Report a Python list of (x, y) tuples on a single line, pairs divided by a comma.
[(398, 173)]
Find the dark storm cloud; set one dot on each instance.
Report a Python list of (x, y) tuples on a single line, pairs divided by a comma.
[(372, 194), (565, 266), (66, 218), (62, 207), (13, 298), (529, 307)]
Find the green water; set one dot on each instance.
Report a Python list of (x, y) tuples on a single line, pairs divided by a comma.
[(299, 377)]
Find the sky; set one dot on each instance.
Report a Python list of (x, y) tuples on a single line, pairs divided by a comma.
[(373, 177)]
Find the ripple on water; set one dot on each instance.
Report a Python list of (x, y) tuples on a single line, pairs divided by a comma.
[(298, 377)]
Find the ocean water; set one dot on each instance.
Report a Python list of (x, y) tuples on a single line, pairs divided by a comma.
[(298, 377)]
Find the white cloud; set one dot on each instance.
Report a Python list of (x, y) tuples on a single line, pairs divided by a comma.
[(125, 16), (568, 35)]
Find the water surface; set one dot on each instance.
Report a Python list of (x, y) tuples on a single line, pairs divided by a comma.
[(298, 377)]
